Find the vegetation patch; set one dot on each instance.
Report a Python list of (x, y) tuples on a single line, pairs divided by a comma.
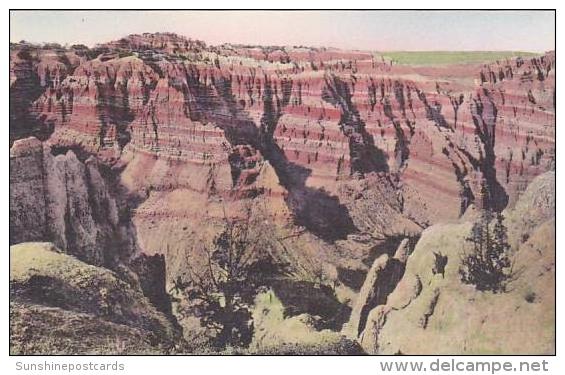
[(450, 57)]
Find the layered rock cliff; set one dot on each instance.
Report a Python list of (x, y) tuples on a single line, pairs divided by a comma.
[(486, 130)]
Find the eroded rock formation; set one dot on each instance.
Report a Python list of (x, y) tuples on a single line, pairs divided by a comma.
[(157, 94), (132, 153), (429, 306)]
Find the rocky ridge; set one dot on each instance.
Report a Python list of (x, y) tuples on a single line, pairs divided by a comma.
[(425, 305)]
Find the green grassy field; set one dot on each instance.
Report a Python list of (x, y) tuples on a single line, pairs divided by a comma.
[(450, 57)]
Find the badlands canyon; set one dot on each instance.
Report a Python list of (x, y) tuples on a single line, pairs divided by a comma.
[(358, 171)]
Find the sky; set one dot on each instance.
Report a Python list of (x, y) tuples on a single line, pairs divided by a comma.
[(365, 30)]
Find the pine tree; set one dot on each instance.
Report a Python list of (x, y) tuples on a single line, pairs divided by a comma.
[(488, 265), (238, 264)]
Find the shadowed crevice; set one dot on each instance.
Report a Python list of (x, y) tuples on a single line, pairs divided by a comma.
[(316, 209)]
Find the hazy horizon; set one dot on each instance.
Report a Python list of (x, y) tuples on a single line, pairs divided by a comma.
[(527, 31)]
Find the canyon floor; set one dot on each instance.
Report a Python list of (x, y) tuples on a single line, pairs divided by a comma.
[(173, 197)]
